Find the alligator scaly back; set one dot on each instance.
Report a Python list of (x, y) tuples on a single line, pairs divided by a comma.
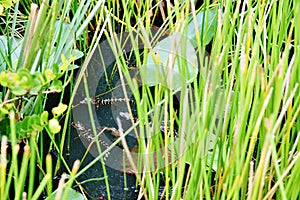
[(109, 101), (88, 135)]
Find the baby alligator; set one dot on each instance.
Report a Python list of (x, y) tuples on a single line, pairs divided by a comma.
[(86, 132), (109, 101), (88, 135)]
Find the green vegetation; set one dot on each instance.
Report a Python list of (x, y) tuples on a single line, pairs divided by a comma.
[(239, 103)]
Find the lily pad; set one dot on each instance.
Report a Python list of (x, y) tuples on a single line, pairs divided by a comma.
[(172, 64), (173, 60)]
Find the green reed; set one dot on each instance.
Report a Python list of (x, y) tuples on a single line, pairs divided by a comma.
[(245, 100)]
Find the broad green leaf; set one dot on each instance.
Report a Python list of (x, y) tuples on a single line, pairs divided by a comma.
[(54, 126), (76, 54), (173, 64), (213, 159), (8, 3), (206, 26), (55, 68), (25, 78), (36, 86), (35, 123), (63, 27), (25, 124), (72, 195), (18, 91), (20, 83), (4, 79), (44, 118), (56, 86), (49, 74), (3, 111), (40, 77), (207, 146), (15, 46)]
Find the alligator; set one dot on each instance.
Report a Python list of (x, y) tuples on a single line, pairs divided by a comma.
[(87, 133)]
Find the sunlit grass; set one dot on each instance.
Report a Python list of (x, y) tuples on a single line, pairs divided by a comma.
[(248, 96)]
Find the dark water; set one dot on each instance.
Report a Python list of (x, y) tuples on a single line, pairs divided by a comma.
[(104, 85), (96, 189)]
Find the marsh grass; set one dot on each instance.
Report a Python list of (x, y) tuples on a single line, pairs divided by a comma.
[(250, 88), (246, 97)]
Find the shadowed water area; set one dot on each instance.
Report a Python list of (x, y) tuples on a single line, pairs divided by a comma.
[(105, 116)]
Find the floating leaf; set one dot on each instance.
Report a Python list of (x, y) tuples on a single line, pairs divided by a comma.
[(35, 86), (72, 195), (25, 77), (206, 26), (174, 63)]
